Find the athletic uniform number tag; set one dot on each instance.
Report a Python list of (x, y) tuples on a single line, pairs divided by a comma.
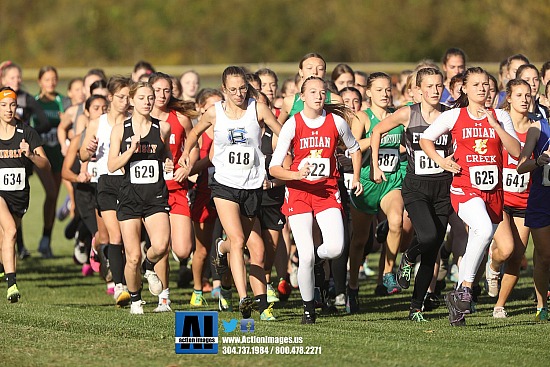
[(424, 165), (12, 179), (388, 159), (167, 175), (144, 172), (513, 181), (319, 168), (348, 180), (484, 178), (50, 138), (92, 171), (546, 175), (240, 157)]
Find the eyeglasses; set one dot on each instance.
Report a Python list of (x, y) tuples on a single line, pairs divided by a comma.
[(122, 97), (242, 89)]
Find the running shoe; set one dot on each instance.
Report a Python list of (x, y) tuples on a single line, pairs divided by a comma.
[(94, 260), (13, 294), (220, 261), (155, 285), (368, 271), (416, 315), (431, 302), (110, 288), (284, 289), (224, 300), (44, 247), (121, 295), (136, 308), (80, 255), (245, 307), (163, 306), (197, 300), (267, 314), (308, 317), (87, 270), (104, 267), (389, 281), (24, 253), (382, 230), (456, 316), (271, 294), (404, 272), (491, 280), (352, 301), (380, 290), (541, 316), (65, 209), (340, 300), (499, 313), (215, 293)]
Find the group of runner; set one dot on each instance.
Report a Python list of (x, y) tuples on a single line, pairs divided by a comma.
[(340, 164)]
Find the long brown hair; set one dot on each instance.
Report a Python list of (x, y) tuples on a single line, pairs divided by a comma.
[(186, 108), (509, 86), (463, 101)]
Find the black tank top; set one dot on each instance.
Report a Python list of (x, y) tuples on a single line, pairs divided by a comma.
[(419, 164), (276, 195), (15, 168), (144, 170)]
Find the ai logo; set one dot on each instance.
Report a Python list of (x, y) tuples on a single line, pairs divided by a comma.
[(196, 332)]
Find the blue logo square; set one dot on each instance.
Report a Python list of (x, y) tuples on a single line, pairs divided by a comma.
[(247, 325), (196, 332)]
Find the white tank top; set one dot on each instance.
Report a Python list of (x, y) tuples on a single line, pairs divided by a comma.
[(238, 159), (103, 144)]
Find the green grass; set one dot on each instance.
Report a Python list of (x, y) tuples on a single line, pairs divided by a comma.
[(64, 319)]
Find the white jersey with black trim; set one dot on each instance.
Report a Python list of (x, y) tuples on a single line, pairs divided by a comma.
[(103, 145), (238, 158)]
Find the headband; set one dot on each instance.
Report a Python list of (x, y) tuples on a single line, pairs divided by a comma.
[(8, 94)]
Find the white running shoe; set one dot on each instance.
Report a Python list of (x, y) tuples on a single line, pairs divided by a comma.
[(340, 300), (155, 285), (136, 308), (163, 306), (499, 313), (491, 277), (121, 295), (271, 294)]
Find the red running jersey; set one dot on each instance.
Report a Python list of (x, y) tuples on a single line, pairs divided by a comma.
[(478, 150), (316, 147)]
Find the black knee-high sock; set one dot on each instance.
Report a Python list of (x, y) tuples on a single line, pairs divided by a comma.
[(116, 262), (19, 241)]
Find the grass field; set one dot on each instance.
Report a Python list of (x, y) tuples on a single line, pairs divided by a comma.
[(64, 319)]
